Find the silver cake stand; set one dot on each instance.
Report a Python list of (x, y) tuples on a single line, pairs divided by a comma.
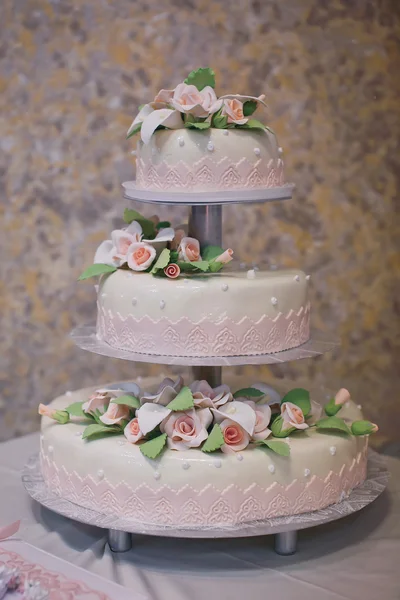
[(285, 529), (205, 224)]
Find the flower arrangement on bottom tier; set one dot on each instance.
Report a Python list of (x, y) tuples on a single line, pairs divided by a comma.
[(180, 417)]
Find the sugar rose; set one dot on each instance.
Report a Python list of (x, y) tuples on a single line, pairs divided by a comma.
[(233, 109), (115, 414), (187, 429), (189, 250), (140, 256), (235, 437), (292, 416), (188, 99), (132, 431)]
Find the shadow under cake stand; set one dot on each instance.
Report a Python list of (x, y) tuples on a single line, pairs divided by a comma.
[(205, 224)]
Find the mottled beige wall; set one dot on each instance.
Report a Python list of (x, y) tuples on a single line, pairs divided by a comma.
[(71, 77)]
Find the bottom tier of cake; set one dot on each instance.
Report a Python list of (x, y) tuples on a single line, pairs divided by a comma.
[(191, 488)]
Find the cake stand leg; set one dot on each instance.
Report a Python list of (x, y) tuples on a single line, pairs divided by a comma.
[(286, 542), (205, 224), (119, 541)]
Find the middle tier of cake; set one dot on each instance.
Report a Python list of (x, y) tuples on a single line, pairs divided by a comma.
[(230, 314)]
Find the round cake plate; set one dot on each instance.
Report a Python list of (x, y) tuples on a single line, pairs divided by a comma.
[(284, 528), (319, 343), (205, 198)]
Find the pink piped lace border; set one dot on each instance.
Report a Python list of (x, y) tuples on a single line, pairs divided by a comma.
[(185, 338), (186, 506)]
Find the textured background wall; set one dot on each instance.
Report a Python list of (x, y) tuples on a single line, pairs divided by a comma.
[(72, 75)]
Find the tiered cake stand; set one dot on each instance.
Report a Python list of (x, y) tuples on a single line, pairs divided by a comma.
[(205, 224)]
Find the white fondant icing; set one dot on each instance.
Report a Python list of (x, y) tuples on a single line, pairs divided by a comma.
[(134, 301), (251, 274), (50, 449)]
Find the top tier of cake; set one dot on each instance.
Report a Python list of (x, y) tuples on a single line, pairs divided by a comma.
[(212, 160), (194, 141)]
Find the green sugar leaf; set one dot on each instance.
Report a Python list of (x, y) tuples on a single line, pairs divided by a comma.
[(211, 252), (134, 131), (96, 431), (154, 447), (127, 400), (163, 225), (300, 397), (331, 408), (162, 261), (188, 267), (132, 215), (75, 410), (97, 269), (183, 401), (148, 227), (249, 392), (281, 448), (215, 266), (362, 427), (276, 428), (203, 125), (201, 78), (332, 423), (249, 107), (253, 124), (215, 440), (220, 121)]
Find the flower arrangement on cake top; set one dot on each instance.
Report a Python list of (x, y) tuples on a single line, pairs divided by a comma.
[(151, 246), (210, 419), (194, 104)]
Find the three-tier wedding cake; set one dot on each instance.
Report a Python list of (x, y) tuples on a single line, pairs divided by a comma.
[(186, 453)]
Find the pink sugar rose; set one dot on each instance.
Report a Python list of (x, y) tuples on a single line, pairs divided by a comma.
[(97, 401), (140, 256), (189, 249), (292, 416), (132, 431), (263, 418), (164, 96), (115, 414), (235, 437), (225, 257), (188, 99), (187, 429), (233, 109), (342, 396)]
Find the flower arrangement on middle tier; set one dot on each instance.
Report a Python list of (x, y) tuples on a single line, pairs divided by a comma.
[(153, 246), (211, 419)]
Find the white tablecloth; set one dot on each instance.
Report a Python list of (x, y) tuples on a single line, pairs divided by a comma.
[(357, 558)]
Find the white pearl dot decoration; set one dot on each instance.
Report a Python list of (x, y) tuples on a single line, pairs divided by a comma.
[(100, 473), (104, 295), (271, 468), (257, 151), (181, 141), (68, 393), (42, 437), (162, 304), (239, 457), (139, 378), (225, 132), (186, 466), (224, 287), (78, 434), (210, 146), (251, 274), (274, 301), (308, 277), (359, 406), (307, 472), (280, 150), (297, 277), (134, 301), (218, 464), (157, 475), (332, 450), (50, 449)]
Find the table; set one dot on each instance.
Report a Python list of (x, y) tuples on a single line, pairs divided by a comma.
[(356, 558)]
